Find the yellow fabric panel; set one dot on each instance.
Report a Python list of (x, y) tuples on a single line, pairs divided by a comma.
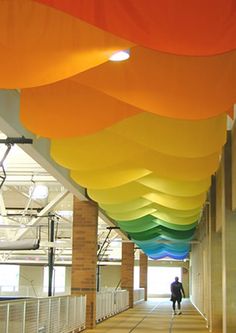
[(40, 45), (97, 151), (189, 169), (127, 206), (160, 210), (134, 190), (175, 219), (175, 187), (141, 212), (113, 177), (175, 212), (107, 178), (176, 202), (131, 215), (169, 85), (68, 109), (121, 194), (106, 149), (177, 137)]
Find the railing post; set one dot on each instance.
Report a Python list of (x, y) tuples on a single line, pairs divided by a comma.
[(51, 257), (37, 320), (67, 311), (8, 314), (49, 315), (75, 303), (59, 312), (24, 315)]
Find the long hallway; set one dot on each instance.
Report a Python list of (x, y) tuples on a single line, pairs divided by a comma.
[(154, 315), (117, 165)]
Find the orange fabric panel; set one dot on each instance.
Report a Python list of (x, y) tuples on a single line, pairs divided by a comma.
[(171, 86), (67, 109), (40, 45), (187, 27)]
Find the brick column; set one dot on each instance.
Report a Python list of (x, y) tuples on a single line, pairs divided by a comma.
[(143, 271), (127, 270), (84, 256)]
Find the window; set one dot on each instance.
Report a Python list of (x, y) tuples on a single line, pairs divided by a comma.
[(160, 278), (9, 278), (59, 279)]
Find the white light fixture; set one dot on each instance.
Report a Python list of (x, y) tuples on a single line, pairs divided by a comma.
[(120, 55), (38, 192)]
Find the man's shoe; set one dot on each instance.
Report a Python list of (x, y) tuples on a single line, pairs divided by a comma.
[(174, 313), (180, 312)]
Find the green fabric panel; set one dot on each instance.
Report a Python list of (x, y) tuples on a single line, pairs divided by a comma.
[(160, 230)]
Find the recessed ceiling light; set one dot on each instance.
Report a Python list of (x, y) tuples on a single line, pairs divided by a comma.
[(120, 55)]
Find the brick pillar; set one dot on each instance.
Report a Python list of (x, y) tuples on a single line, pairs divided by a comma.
[(143, 264), (127, 270), (84, 256)]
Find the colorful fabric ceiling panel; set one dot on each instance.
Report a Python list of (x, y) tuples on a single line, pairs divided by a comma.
[(162, 232), (71, 99), (40, 45), (83, 153), (195, 27), (158, 250), (168, 85), (145, 135)]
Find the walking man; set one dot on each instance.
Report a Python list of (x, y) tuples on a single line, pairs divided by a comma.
[(177, 291)]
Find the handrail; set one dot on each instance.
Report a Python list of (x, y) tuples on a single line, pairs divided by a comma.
[(110, 303), (43, 315), (138, 295)]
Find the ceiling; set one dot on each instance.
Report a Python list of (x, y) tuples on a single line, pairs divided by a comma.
[(153, 182)]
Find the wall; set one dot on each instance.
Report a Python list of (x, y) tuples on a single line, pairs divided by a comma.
[(229, 241), (110, 276), (200, 266), (212, 264), (31, 281), (197, 277)]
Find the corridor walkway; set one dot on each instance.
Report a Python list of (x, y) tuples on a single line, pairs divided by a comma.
[(154, 316)]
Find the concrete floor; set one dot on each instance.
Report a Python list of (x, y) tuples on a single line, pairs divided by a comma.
[(154, 316)]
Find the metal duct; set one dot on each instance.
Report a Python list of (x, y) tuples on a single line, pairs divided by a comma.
[(21, 244)]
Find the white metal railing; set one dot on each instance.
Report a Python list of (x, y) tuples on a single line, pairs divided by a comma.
[(111, 302), (138, 295), (43, 315)]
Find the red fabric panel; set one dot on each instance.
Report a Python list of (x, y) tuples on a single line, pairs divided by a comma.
[(185, 27)]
